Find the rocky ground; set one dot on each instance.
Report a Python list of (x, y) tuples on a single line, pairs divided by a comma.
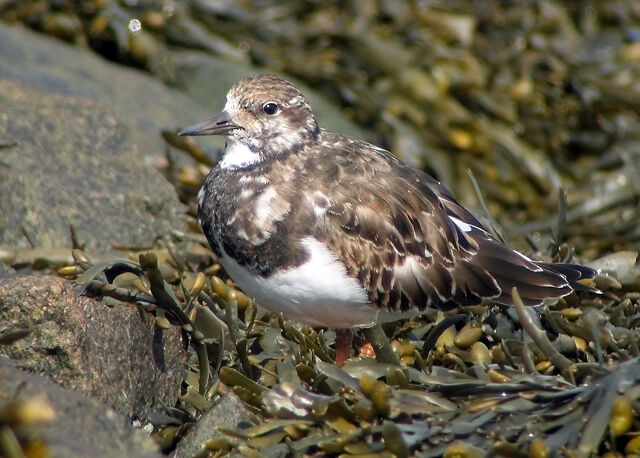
[(120, 335)]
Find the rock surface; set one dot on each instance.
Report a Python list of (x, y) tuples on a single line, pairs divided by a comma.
[(88, 143), (228, 412), (81, 427), (6, 271), (115, 355)]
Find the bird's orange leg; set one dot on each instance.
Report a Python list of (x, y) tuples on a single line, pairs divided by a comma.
[(344, 339)]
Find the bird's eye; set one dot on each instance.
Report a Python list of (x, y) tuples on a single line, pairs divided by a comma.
[(270, 108)]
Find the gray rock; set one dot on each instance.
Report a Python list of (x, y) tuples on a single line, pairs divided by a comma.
[(88, 146), (228, 411), (115, 355), (6, 271), (81, 427)]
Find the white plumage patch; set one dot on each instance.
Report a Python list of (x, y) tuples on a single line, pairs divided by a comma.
[(536, 268), (237, 155), (319, 212), (318, 292), (268, 206), (320, 204), (246, 193), (200, 196), (287, 138), (464, 227)]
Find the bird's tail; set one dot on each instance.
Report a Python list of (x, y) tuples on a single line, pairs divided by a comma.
[(548, 281)]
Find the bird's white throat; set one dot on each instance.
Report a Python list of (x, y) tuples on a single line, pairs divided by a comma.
[(238, 155)]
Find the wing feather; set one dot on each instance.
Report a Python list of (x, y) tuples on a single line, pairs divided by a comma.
[(410, 243)]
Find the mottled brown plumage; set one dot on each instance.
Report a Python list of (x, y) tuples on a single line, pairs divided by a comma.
[(287, 189)]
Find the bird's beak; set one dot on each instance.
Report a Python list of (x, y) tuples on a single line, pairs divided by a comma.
[(219, 124)]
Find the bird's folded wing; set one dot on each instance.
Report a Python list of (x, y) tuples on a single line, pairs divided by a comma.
[(394, 233)]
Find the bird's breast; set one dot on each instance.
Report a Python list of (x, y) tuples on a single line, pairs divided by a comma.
[(249, 217), (317, 292)]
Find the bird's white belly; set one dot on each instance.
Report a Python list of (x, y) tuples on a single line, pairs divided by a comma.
[(318, 292)]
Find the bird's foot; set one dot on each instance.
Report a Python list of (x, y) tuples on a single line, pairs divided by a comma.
[(344, 339)]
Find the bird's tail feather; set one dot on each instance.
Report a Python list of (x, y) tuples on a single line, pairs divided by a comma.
[(536, 281), (551, 282)]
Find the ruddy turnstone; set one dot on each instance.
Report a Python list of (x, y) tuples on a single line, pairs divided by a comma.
[(330, 230)]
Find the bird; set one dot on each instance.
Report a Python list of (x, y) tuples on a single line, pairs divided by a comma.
[(331, 231)]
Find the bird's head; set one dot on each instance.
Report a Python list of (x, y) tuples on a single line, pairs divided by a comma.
[(266, 114)]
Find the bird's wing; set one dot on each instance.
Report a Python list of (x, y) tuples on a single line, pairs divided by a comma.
[(409, 242)]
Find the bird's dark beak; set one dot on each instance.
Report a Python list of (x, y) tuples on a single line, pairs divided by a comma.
[(219, 124)]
